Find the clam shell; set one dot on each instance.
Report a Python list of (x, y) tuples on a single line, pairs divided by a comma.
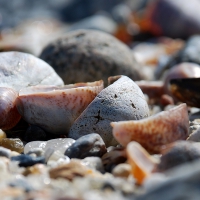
[(54, 109), (9, 116), (122, 100), (155, 131)]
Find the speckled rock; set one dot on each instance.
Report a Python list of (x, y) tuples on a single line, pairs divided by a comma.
[(88, 55), (87, 145), (122, 100)]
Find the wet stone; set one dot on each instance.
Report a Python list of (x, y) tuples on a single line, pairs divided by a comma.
[(26, 160), (88, 145), (31, 146)]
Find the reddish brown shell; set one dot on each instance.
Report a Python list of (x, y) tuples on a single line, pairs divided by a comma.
[(155, 131), (9, 116)]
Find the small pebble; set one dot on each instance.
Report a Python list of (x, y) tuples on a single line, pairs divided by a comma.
[(5, 152), (14, 144), (26, 160), (94, 163), (34, 145), (88, 145), (122, 170)]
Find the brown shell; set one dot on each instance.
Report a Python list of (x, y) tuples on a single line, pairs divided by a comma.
[(155, 131)]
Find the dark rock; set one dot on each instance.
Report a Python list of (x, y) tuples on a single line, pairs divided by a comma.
[(35, 133), (179, 153), (88, 55), (27, 161), (88, 145), (183, 184)]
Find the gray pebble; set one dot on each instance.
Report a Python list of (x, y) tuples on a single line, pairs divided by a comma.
[(88, 145), (90, 55)]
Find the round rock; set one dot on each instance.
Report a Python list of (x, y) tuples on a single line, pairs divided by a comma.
[(89, 55), (88, 145)]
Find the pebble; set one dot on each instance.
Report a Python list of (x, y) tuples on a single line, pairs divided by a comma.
[(113, 158), (14, 144), (178, 153), (76, 61), (122, 170), (34, 145), (26, 160), (93, 163), (88, 145)]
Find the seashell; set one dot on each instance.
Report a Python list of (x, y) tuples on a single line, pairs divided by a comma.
[(154, 131), (186, 90), (142, 164), (54, 109), (122, 100), (183, 70), (9, 115)]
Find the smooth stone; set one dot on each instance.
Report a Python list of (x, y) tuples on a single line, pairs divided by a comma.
[(178, 153), (34, 145), (19, 70), (94, 163), (34, 133), (27, 161), (181, 179), (88, 145), (61, 144), (5, 152), (14, 144), (122, 170), (37, 151), (90, 55)]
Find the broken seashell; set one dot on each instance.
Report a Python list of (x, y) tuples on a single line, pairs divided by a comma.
[(186, 90), (142, 164), (122, 100), (155, 131), (54, 109), (9, 116)]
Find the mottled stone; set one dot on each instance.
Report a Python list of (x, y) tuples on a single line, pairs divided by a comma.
[(88, 145), (88, 55)]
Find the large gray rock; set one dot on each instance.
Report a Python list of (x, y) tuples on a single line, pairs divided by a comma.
[(19, 70), (89, 55)]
